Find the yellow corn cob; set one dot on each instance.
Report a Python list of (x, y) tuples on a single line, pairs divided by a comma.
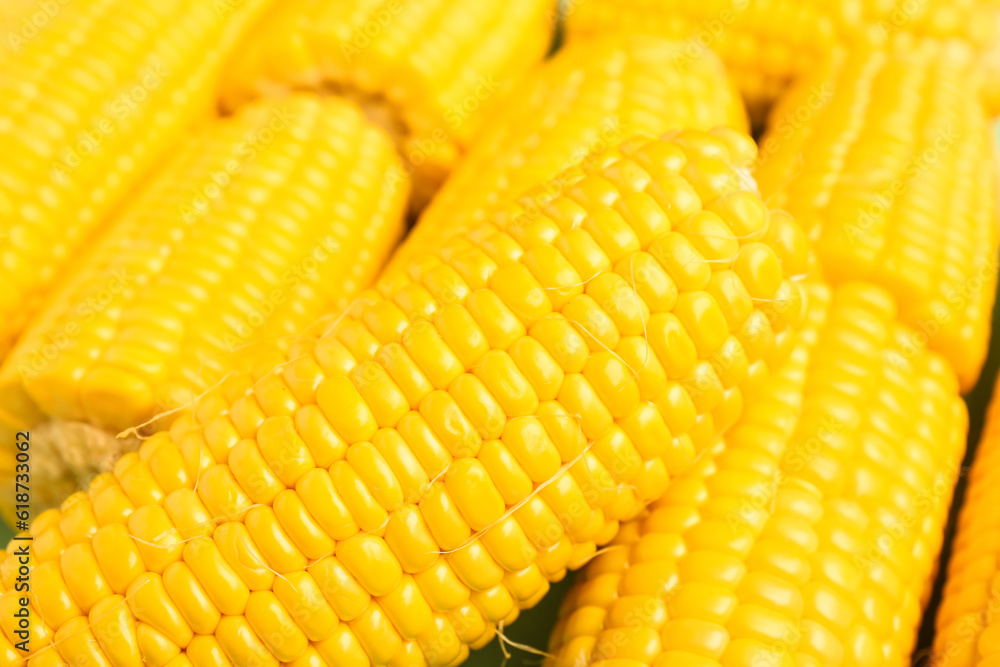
[(259, 226), (428, 68), (809, 538), (888, 162), (93, 94), (968, 620), (767, 44), (589, 97), (393, 490)]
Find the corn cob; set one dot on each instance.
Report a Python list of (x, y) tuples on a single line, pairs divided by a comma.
[(258, 226), (769, 44), (427, 68), (587, 98), (886, 159), (809, 537), (393, 490), (94, 94), (765, 45), (968, 619)]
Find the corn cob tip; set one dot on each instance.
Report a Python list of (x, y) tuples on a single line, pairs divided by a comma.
[(258, 229)]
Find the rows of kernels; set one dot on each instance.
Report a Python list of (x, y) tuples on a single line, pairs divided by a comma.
[(94, 98), (588, 98), (262, 224), (810, 537), (764, 44), (440, 521), (430, 69), (966, 620), (885, 474), (923, 223)]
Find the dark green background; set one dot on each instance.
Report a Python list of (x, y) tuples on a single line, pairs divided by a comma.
[(533, 627)]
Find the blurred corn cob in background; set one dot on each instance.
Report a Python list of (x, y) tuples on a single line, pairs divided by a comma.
[(93, 95), (768, 44), (810, 537), (390, 492), (587, 98), (764, 45), (961, 24), (427, 69), (888, 161), (968, 619), (259, 226), (879, 20)]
